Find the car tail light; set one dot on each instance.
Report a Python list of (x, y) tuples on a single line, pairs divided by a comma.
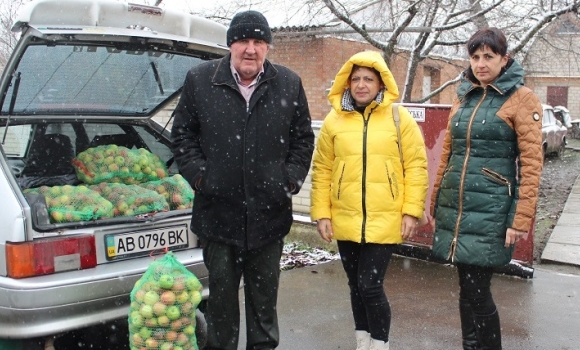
[(50, 255)]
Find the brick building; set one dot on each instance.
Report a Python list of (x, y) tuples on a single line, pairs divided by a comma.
[(553, 64), (317, 59)]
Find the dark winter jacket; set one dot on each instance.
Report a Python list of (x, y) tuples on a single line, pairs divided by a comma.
[(490, 170), (247, 157)]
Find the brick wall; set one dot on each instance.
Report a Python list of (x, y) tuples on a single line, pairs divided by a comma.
[(317, 60)]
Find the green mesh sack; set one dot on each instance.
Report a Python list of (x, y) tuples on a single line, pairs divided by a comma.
[(129, 200), (163, 304), (175, 189), (73, 203), (112, 163)]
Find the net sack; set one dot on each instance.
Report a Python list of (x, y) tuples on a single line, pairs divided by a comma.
[(112, 163), (175, 189), (129, 200), (73, 203), (163, 305)]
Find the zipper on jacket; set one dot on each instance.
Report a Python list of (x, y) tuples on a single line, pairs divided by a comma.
[(340, 181), (390, 181), (497, 177), (453, 247), (364, 176)]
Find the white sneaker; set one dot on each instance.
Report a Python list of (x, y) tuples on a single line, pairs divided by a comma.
[(379, 345), (363, 340)]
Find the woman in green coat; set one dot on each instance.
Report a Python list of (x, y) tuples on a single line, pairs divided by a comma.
[(487, 182)]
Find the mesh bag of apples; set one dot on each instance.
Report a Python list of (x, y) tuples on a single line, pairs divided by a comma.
[(112, 163), (73, 203), (163, 306), (175, 189), (131, 200)]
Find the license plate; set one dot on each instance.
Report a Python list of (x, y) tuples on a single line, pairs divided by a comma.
[(120, 246)]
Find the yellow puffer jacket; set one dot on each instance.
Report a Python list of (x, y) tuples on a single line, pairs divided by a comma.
[(357, 178)]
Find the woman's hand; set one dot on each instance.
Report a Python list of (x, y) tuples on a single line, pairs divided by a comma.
[(512, 236), (324, 227), (409, 226)]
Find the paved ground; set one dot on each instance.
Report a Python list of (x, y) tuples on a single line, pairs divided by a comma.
[(539, 313)]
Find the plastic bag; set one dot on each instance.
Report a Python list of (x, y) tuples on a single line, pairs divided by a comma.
[(73, 203), (112, 163), (129, 200), (176, 190), (163, 305)]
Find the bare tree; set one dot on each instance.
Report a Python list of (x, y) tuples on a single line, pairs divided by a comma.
[(427, 28), (8, 39)]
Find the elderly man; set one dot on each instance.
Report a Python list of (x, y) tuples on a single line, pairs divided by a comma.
[(242, 137)]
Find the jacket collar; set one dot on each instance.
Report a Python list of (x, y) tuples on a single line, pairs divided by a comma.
[(512, 77)]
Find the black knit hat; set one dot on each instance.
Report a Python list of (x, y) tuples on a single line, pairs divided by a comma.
[(249, 24)]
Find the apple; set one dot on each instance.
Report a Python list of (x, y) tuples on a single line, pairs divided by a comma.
[(182, 297), (182, 339), (173, 312), (171, 336), (135, 305), (145, 332), (151, 322), (193, 284), (163, 321), (151, 343), (137, 339), (146, 311), (166, 346), (179, 284), (151, 297), (185, 320), (140, 295), (187, 308), (176, 325), (137, 320), (168, 298), (57, 216), (195, 298), (189, 330), (159, 308)]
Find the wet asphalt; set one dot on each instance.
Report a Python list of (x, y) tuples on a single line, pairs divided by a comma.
[(538, 313)]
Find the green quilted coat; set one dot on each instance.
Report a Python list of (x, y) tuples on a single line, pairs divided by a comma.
[(490, 170)]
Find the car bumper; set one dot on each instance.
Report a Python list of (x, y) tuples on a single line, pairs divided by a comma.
[(46, 305)]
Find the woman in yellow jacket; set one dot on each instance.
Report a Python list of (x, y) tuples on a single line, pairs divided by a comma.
[(362, 194)]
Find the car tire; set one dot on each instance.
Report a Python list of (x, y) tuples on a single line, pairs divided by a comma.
[(561, 150), (200, 329)]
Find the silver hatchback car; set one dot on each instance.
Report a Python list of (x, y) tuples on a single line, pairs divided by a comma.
[(84, 74), (553, 133)]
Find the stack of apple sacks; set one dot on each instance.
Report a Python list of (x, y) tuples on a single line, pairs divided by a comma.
[(163, 305)]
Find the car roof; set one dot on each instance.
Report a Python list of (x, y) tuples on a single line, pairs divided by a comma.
[(102, 16)]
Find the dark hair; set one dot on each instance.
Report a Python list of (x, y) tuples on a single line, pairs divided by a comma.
[(356, 67), (488, 37)]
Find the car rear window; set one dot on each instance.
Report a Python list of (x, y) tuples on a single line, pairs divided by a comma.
[(91, 79)]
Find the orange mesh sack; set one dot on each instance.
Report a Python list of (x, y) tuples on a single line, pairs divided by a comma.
[(129, 200), (112, 163), (73, 203), (163, 304), (175, 189)]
